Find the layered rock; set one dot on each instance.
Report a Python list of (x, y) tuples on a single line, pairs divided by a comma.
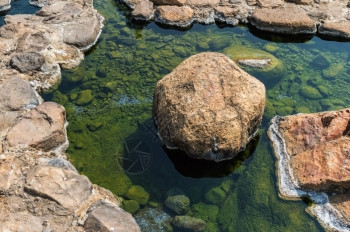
[(313, 160), (286, 17), (208, 107)]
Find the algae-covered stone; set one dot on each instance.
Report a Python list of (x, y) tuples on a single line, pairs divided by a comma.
[(177, 201), (240, 53), (271, 47), (59, 97), (188, 223), (302, 109), (323, 89), (85, 98), (285, 110), (310, 92), (333, 71), (270, 111), (320, 61), (215, 196), (138, 194), (112, 85), (207, 212), (219, 43), (131, 206), (203, 45), (94, 125)]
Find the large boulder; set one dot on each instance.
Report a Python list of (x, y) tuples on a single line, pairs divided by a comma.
[(43, 127), (27, 61), (208, 107)]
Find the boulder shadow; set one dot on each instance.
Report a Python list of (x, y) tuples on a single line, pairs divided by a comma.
[(199, 168)]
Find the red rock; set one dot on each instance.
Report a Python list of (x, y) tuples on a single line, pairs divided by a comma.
[(42, 127)]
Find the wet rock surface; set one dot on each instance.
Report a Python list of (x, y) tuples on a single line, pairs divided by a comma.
[(313, 155), (286, 17), (202, 101)]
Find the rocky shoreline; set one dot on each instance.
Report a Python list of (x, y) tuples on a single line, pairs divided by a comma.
[(311, 152), (39, 189), (306, 17)]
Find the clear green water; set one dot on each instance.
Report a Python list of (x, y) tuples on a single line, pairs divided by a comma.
[(108, 99)]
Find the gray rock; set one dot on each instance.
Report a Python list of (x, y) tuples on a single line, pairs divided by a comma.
[(153, 219), (66, 187), (143, 11), (107, 218), (61, 163), (190, 224), (27, 61)]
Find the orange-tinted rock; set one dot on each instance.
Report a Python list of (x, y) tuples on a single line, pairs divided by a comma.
[(208, 107), (42, 127), (287, 20), (342, 203)]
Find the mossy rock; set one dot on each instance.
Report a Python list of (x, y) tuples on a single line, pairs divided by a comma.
[(302, 109), (333, 71), (270, 110), (237, 53), (73, 96), (324, 90), (219, 43), (215, 196), (59, 97), (112, 85), (131, 206), (271, 47), (138, 194), (207, 212), (85, 98), (320, 61), (203, 45), (94, 125), (310, 92)]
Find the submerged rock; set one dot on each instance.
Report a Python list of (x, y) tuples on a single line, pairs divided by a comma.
[(188, 223), (208, 107), (252, 57), (153, 219), (138, 194), (177, 201)]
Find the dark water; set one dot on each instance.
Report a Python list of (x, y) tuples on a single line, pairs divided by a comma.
[(18, 7), (108, 99)]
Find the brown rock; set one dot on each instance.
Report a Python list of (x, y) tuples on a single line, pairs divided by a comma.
[(143, 11), (208, 107), (302, 2), (287, 20), (225, 14), (201, 3), (66, 187), (107, 218), (324, 166), (9, 171), (180, 16), (21, 222), (170, 2), (335, 29), (42, 127)]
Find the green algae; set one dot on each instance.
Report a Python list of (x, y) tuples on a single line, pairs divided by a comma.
[(120, 73), (131, 206), (138, 194)]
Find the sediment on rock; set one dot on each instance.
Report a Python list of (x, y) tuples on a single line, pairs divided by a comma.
[(312, 153)]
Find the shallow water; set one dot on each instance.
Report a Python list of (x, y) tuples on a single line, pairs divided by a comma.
[(18, 7), (108, 99)]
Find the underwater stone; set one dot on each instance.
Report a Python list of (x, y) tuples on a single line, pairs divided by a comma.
[(215, 196), (219, 43), (320, 61), (138, 194), (188, 223), (332, 71), (271, 47), (177, 201), (253, 57), (204, 211), (85, 98), (310, 92), (153, 219), (131, 206), (213, 98)]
